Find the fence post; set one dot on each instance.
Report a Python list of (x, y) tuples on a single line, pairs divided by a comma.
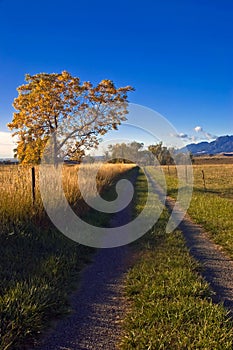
[(203, 178), (33, 185), (168, 169)]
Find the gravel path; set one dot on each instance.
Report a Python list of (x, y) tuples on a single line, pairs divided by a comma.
[(217, 267), (99, 305)]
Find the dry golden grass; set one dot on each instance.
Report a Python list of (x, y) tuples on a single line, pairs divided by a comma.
[(217, 160), (218, 178), (16, 205)]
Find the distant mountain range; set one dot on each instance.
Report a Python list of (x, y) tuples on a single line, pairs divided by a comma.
[(223, 144), (8, 160)]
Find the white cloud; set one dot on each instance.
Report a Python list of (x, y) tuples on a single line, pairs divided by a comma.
[(201, 135), (198, 129), (184, 137), (207, 135), (194, 139), (210, 136), (7, 144)]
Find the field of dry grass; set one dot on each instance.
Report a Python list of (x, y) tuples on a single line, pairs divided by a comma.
[(16, 205), (217, 159)]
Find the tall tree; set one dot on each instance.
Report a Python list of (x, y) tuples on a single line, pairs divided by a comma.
[(74, 115), (162, 153)]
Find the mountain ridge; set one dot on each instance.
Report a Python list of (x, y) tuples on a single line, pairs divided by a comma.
[(223, 144)]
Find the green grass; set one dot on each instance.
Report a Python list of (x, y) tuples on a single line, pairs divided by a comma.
[(39, 267), (212, 208), (38, 270), (171, 306), (215, 215)]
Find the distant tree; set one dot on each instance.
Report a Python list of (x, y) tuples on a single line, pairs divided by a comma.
[(125, 152), (156, 150), (162, 153), (74, 114), (192, 157)]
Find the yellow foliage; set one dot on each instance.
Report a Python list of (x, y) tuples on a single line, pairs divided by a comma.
[(59, 105)]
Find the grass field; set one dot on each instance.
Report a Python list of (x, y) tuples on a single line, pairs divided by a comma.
[(38, 265), (16, 206), (216, 159), (171, 305), (212, 204)]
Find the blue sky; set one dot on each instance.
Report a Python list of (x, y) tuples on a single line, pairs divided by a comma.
[(177, 54)]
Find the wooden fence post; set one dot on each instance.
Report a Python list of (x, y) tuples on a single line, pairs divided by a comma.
[(168, 169), (33, 185), (203, 178)]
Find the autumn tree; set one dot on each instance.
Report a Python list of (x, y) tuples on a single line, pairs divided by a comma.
[(162, 153), (73, 115)]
